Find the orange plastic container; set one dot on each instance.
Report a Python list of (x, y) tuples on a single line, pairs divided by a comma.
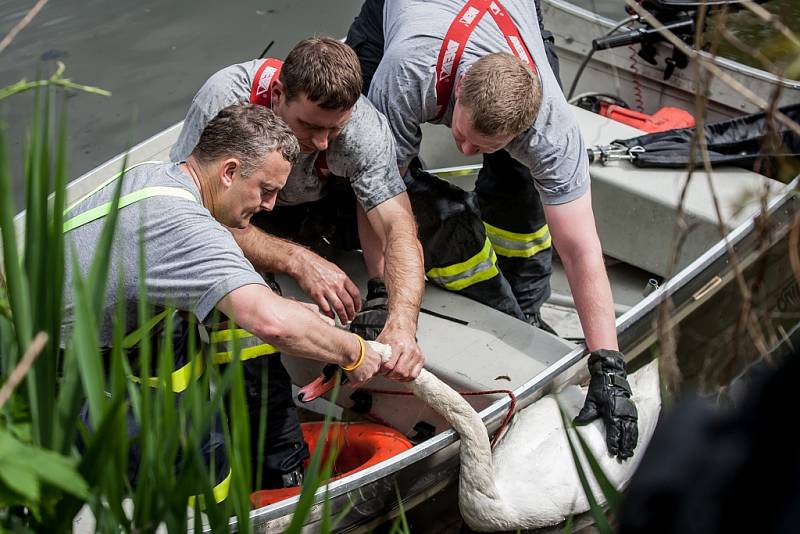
[(359, 445)]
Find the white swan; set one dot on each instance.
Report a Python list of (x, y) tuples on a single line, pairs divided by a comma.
[(530, 480)]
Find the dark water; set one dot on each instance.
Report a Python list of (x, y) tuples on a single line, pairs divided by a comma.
[(152, 55)]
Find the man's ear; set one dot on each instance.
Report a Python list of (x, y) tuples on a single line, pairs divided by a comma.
[(278, 92), (228, 171), (457, 89)]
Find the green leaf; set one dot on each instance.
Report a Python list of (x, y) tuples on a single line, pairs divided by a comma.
[(24, 467), (20, 480)]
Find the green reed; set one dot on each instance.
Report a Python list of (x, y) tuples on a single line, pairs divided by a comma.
[(45, 477)]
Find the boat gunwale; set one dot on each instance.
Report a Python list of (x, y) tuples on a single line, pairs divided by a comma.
[(526, 393)]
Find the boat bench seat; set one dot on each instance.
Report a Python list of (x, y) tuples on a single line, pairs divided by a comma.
[(636, 209)]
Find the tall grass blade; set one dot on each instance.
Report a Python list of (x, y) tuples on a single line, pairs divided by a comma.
[(611, 494), (98, 273), (262, 424), (17, 287), (314, 473), (400, 524), (597, 511), (83, 346), (236, 429), (568, 524)]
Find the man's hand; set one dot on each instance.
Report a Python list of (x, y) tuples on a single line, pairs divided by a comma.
[(407, 359), (609, 397), (327, 285), (371, 324), (369, 366)]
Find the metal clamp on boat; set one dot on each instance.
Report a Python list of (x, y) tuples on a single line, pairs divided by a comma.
[(613, 152)]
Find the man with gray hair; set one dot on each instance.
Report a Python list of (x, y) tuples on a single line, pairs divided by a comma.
[(344, 193), (181, 214)]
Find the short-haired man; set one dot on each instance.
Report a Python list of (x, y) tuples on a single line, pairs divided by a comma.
[(344, 141), (346, 150), (182, 213), (481, 68)]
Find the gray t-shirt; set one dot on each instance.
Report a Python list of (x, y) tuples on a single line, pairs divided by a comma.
[(404, 89), (191, 261), (363, 151)]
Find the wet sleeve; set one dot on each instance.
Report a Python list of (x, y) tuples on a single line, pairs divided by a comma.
[(394, 96), (215, 95), (367, 147)]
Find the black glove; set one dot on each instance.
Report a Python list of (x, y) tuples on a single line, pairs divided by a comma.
[(609, 397), (369, 322)]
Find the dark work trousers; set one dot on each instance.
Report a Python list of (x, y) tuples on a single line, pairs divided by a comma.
[(322, 225), (267, 386), (267, 383), (452, 229), (212, 447)]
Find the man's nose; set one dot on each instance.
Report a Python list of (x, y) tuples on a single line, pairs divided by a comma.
[(320, 140), (468, 149), (269, 203)]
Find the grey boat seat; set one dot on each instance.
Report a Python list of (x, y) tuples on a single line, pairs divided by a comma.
[(636, 209)]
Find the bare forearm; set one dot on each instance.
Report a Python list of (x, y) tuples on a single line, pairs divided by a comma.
[(289, 326), (593, 300), (306, 335), (267, 252), (404, 276)]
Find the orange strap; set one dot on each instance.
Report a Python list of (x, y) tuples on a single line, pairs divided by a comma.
[(261, 94)]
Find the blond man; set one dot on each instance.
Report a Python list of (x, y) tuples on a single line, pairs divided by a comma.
[(481, 68)]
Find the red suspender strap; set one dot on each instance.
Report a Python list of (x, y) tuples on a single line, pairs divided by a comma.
[(261, 94), (506, 25), (267, 73), (457, 37), (321, 166), (452, 49)]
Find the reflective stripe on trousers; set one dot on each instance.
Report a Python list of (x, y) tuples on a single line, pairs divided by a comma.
[(223, 348), (181, 378), (223, 343), (516, 245), (220, 491), (482, 266)]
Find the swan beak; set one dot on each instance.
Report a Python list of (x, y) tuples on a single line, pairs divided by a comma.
[(320, 386)]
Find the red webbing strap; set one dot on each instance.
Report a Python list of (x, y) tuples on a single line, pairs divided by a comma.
[(261, 94), (267, 73), (456, 40), (511, 34), (321, 166)]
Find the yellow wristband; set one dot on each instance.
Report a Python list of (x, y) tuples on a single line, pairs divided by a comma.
[(360, 356)]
